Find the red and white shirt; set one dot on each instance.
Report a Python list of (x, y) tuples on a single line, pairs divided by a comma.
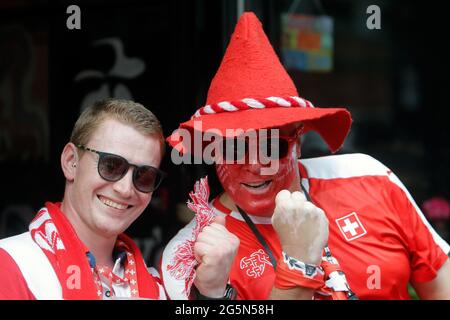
[(26, 273), (376, 231)]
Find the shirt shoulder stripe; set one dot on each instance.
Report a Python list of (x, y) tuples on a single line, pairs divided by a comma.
[(34, 265), (12, 284), (344, 166), (436, 237)]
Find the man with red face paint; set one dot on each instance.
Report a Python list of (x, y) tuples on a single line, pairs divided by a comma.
[(288, 219), (254, 192)]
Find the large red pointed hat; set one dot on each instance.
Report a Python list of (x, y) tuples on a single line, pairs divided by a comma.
[(252, 90)]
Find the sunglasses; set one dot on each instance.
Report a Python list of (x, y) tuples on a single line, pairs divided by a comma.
[(112, 167), (276, 146)]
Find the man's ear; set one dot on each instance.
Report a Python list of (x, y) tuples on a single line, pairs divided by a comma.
[(69, 161)]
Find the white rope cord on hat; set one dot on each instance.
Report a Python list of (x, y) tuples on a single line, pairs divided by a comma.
[(249, 103)]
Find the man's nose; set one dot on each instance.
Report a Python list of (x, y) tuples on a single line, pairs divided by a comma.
[(125, 186), (257, 157), (253, 163)]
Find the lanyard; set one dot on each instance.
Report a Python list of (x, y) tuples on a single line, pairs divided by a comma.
[(258, 236), (337, 295), (129, 277)]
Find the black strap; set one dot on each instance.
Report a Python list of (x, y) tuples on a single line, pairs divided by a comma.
[(305, 192), (258, 236), (350, 294)]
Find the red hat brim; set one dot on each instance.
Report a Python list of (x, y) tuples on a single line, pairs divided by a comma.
[(333, 124)]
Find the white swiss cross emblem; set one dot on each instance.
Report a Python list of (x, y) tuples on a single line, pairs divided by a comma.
[(351, 227), (254, 265)]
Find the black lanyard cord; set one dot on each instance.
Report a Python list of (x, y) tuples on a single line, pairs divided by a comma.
[(258, 236), (350, 295)]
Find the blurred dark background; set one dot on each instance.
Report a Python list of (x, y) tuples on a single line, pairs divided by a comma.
[(163, 54)]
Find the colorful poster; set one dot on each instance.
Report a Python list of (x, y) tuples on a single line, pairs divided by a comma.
[(307, 42)]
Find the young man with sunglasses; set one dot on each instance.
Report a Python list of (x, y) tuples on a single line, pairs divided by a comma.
[(76, 249), (291, 221)]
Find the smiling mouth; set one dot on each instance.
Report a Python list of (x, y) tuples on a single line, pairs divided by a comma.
[(112, 204), (257, 185)]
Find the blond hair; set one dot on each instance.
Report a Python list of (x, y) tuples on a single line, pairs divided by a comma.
[(126, 111)]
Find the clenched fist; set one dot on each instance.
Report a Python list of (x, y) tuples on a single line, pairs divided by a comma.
[(215, 250), (301, 226)]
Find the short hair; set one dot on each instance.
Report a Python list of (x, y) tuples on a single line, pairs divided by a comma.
[(126, 111)]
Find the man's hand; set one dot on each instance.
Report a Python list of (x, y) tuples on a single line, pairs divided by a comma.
[(215, 250), (301, 226)]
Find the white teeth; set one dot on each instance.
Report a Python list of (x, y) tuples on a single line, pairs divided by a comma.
[(113, 204), (257, 185)]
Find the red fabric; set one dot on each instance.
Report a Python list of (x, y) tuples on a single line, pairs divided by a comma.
[(333, 124), (251, 69), (148, 284), (74, 253), (397, 242), (12, 283), (252, 273), (288, 279), (329, 268)]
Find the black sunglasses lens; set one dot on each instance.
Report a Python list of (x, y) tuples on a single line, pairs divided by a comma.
[(276, 148), (273, 148), (234, 149), (112, 167), (283, 148), (146, 179)]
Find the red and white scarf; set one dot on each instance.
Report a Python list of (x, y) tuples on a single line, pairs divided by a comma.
[(184, 264), (107, 274), (54, 234)]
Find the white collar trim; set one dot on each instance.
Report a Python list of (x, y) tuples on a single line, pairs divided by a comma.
[(236, 215)]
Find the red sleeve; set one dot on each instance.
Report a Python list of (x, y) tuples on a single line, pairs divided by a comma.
[(426, 256), (12, 283)]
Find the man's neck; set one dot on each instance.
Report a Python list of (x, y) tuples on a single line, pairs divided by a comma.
[(226, 201), (101, 247)]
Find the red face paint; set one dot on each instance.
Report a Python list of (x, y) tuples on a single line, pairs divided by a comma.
[(255, 193)]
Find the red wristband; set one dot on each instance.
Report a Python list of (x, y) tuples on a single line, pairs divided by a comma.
[(290, 273)]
